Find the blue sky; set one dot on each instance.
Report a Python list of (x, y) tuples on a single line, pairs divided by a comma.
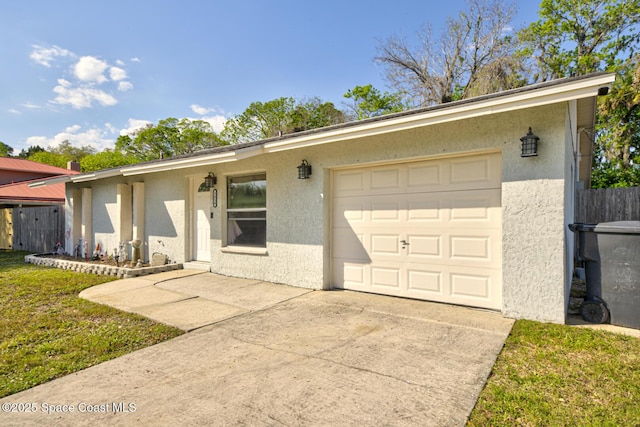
[(88, 71)]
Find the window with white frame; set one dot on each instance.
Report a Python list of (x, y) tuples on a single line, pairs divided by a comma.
[(247, 210)]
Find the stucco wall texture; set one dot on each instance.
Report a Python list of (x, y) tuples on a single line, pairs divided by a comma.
[(298, 211)]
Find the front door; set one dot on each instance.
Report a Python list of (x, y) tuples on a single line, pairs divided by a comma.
[(202, 234)]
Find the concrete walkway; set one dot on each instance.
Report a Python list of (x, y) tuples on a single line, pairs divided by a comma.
[(190, 299), (275, 355)]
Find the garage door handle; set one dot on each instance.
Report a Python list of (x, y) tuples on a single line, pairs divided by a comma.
[(404, 243)]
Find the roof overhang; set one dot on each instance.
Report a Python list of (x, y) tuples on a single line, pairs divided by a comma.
[(528, 97)]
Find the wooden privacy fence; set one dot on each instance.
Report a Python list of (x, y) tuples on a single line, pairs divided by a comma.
[(37, 229), (608, 204)]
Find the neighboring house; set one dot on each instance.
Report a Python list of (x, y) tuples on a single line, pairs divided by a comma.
[(435, 203), (31, 218)]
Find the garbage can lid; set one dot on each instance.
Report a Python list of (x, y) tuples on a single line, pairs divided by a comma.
[(618, 227), (582, 227)]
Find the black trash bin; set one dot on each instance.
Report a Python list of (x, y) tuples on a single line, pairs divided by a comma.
[(611, 252)]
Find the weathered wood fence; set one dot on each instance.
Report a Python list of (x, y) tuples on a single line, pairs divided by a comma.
[(37, 229), (608, 204)]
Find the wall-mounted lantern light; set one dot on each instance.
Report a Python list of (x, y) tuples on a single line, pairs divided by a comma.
[(304, 170), (529, 144), (209, 182)]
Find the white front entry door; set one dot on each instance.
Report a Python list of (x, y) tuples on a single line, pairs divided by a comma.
[(202, 232), (428, 230)]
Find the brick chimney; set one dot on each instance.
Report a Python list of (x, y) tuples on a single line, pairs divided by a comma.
[(73, 166)]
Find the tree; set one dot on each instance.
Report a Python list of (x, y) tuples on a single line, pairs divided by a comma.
[(72, 153), (49, 158), (576, 37), (25, 154), (618, 131), (5, 150), (280, 116), (106, 159), (170, 137), (472, 56), (314, 114), (368, 101)]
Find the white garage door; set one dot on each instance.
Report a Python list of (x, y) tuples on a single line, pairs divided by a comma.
[(429, 230)]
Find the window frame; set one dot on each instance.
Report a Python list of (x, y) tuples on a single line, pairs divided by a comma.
[(252, 214)]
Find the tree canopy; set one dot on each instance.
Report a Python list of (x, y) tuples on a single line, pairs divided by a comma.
[(278, 117), (5, 150), (367, 101), (170, 137)]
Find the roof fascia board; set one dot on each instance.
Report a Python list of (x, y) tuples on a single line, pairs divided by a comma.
[(51, 181), (544, 96), (181, 163)]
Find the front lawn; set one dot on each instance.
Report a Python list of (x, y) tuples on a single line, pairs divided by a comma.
[(558, 375), (47, 331)]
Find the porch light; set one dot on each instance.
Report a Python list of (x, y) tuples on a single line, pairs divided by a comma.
[(529, 144), (209, 182), (304, 170)]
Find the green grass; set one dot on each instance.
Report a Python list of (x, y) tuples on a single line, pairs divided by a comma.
[(558, 375), (47, 331)]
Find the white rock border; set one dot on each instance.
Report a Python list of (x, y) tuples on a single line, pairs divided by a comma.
[(105, 270)]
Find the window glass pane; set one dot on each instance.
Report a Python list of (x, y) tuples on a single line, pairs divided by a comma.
[(247, 232), (246, 192)]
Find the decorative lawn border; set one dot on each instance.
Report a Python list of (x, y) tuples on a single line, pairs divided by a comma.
[(102, 269)]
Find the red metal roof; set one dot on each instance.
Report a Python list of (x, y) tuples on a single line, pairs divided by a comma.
[(15, 164), (21, 193)]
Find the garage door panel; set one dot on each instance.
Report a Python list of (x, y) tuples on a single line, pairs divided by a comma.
[(427, 283), (384, 245), (350, 275), (386, 211), (448, 212), (350, 245), (386, 279), (425, 246), (476, 172), (480, 208), (387, 178), (475, 248), (426, 176)]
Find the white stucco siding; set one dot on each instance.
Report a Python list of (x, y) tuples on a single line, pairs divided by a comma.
[(533, 198), (165, 210), (106, 217)]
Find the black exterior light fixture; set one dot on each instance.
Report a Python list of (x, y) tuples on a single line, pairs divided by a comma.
[(529, 144), (209, 182), (304, 170)]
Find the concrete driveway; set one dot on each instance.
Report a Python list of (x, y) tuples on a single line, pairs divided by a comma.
[(315, 358)]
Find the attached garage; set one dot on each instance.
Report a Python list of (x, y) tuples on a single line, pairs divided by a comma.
[(428, 229)]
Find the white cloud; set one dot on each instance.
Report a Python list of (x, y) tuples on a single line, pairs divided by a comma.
[(82, 96), (124, 86), (96, 138), (134, 126), (90, 69), (117, 74), (46, 55), (198, 109), (135, 60), (217, 122), (120, 62), (30, 106), (14, 111)]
